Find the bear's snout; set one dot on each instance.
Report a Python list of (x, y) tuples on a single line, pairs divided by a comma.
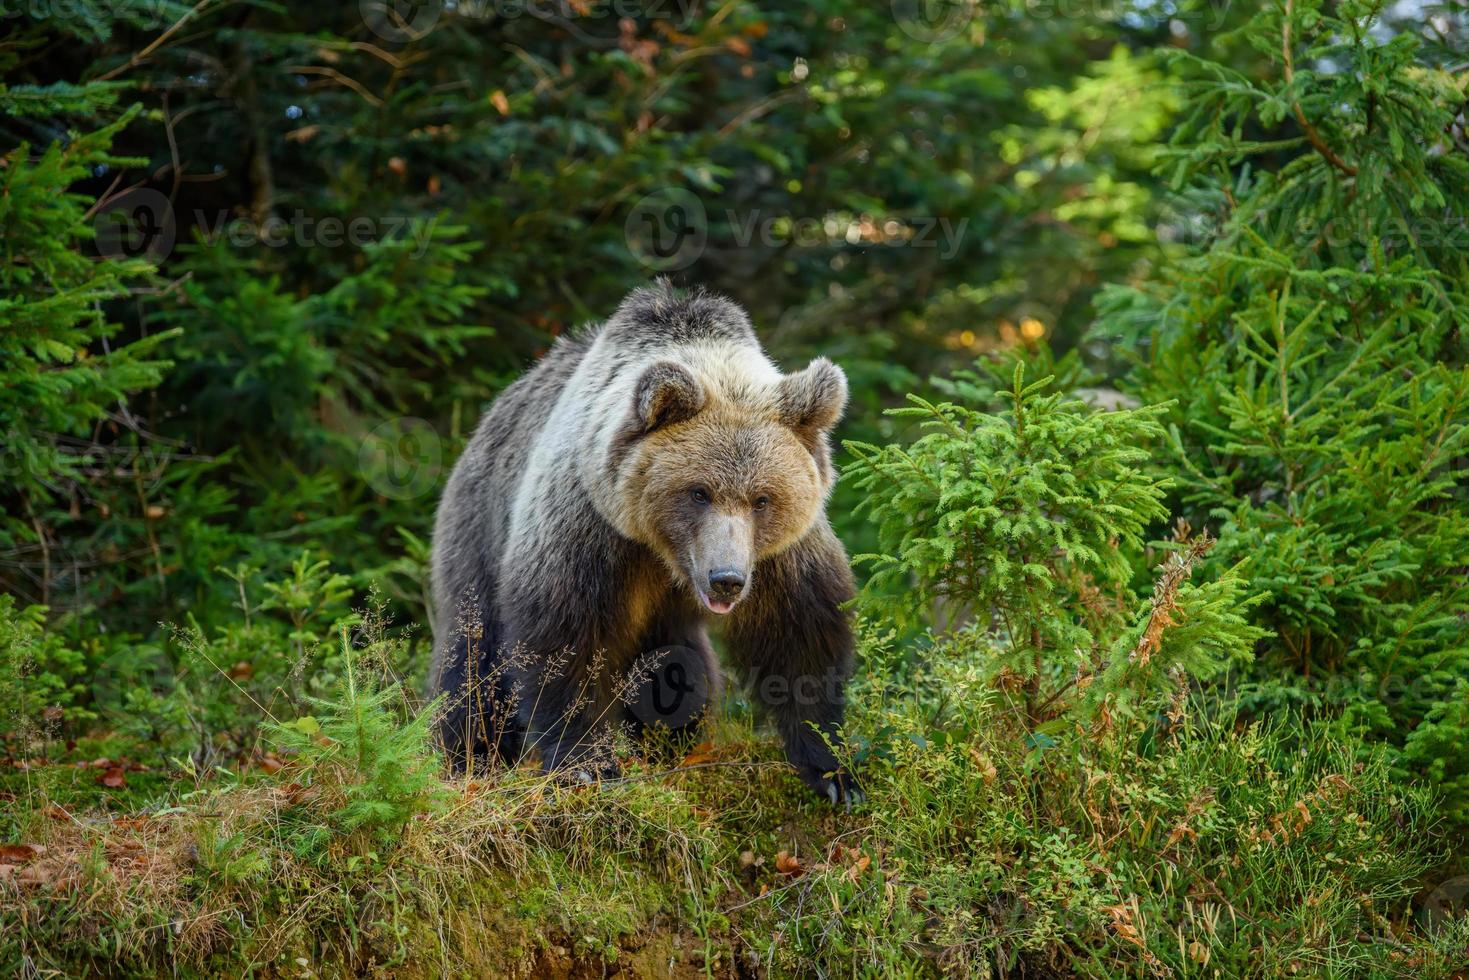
[(726, 584)]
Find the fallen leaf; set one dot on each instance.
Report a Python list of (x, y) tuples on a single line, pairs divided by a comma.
[(787, 865), (1179, 833), (986, 767), (699, 754), (294, 794), (36, 874), (20, 853), (1303, 814), (1122, 923)]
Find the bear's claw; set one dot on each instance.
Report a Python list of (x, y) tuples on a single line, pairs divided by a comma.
[(586, 773), (840, 788)]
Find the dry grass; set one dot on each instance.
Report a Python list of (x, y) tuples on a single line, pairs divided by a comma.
[(224, 879)]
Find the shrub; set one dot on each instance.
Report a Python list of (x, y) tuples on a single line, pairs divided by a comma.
[(1268, 849), (1312, 349), (41, 678), (63, 367), (1021, 524), (1107, 829), (368, 750)]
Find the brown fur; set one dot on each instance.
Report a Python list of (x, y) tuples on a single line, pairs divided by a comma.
[(738, 455)]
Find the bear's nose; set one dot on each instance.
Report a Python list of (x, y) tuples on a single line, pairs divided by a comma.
[(726, 583)]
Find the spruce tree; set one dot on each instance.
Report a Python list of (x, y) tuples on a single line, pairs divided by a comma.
[(65, 374), (1313, 344)]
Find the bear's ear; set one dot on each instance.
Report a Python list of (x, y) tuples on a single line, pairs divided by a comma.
[(667, 393), (811, 401)]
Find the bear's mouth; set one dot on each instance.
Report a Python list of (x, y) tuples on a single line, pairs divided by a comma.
[(720, 607)]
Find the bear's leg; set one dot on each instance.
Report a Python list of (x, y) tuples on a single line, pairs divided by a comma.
[(564, 691), (793, 641), (675, 682), (566, 592), (478, 720)]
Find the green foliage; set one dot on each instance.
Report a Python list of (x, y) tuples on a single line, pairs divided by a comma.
[(41, 678), (1079, 769), (59, 376), (1259, 850), (1312, 347), (498, 161), (363, 747), (1184, 632), (1179, 844), (1019, 526), (995, 511), (220, 685)]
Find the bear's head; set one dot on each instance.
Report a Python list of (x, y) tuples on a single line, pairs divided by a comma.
[(719, 475)]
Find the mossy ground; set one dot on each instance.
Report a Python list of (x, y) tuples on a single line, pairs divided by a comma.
[(657, 876), (1215, 851)]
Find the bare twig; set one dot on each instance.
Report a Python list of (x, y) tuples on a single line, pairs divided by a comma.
[(1310, 130), (337, 76), (143, 55)]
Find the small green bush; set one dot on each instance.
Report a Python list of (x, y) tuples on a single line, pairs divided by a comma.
[(1215, 849), (369, 749), (1019, 526)]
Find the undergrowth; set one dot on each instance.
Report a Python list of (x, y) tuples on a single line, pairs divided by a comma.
[(1049, 790)]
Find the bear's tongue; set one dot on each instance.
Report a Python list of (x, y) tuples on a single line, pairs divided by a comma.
[(718, 606)]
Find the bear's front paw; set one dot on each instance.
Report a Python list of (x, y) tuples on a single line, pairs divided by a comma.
[(585, 772), (839, 787)]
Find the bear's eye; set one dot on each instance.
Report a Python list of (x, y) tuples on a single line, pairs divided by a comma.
[(700, 495), (762, 502)]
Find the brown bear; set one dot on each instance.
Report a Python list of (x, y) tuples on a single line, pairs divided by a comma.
[(650, 474)]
